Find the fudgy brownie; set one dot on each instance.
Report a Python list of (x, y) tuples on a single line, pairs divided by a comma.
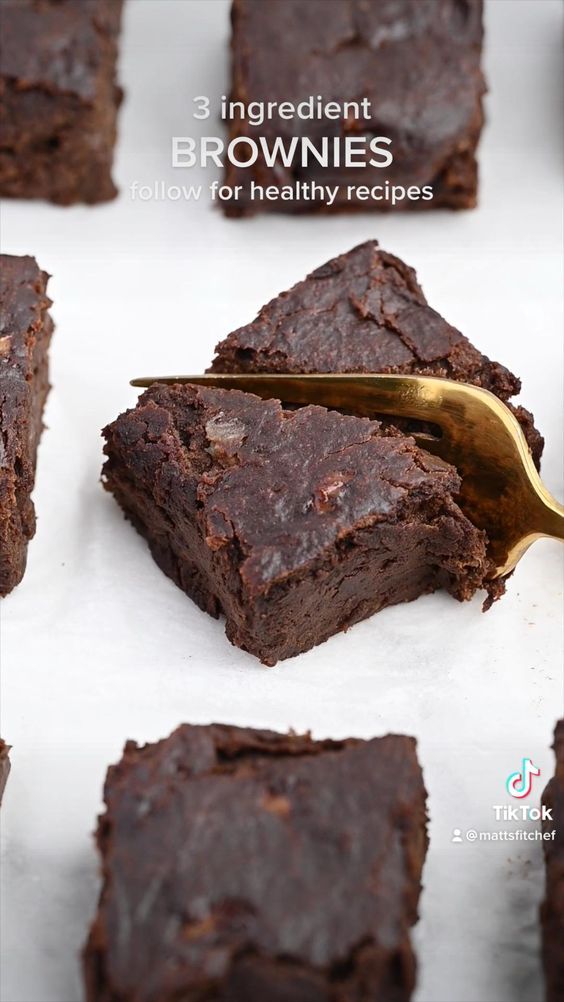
[(417, 63), (58, 99), (241, 865), (364, 312), (25, 333), (4, 766), (294, 524), (552, 911)]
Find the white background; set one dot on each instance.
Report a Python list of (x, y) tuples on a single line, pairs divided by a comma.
[(98, 646)]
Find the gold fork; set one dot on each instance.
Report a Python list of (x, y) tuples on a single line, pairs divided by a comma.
[(501, 493)]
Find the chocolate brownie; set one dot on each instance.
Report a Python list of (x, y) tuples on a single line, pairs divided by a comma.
[(364, 312), (293, 524), (4, 766), (415, 62), (552, 911), (241, 865), (58, 99), (25, 333)]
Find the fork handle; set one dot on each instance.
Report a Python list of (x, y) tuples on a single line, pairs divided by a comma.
[(552, 518)]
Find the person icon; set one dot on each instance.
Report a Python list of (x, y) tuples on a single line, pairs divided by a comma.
[(456, 835)]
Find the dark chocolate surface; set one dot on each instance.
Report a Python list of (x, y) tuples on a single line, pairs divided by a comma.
[(25, 333), (295, 524), (322, 475), (243, 865), (416, 61), (364, 311), (57, 45), (58, 99), (552, 911)]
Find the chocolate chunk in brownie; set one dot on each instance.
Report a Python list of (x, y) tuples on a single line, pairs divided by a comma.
[(416, 64), (293, 524), (4, 766), (25, 333), (365, 312), (58, 99), (244, 865), (552, 911)]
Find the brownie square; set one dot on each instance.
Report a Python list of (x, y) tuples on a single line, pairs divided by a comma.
[(293, 524), (365, 312), (417, 62), (552, 911), (241, 865), (25, 334), (58, 99), (4, 766)]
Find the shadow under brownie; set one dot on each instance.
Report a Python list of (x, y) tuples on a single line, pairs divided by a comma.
[(293, 524), (241, 865)]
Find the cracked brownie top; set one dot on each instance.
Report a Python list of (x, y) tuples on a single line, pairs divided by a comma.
[(363, 311)]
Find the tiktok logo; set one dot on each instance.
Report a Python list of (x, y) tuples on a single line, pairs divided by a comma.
[(520, 784)]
